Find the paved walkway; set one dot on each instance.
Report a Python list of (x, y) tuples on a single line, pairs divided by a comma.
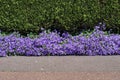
[(59, 76), (60, 64), (60, 68)]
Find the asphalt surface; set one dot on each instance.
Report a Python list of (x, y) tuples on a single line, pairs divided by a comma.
[(60, 68), (60, 64)]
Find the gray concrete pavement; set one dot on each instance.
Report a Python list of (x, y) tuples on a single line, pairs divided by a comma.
[(60, 64), (59, 76)]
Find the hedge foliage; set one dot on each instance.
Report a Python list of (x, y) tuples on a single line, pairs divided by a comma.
[(72, 15)]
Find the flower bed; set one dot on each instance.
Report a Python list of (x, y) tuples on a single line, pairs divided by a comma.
[(51, 43)]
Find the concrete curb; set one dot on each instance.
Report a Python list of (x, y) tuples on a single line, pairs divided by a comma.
[(60, 64)]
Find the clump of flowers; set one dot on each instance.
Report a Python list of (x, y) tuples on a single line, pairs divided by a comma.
[(51, 43)]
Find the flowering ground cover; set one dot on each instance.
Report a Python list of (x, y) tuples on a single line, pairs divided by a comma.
[(52, 43)]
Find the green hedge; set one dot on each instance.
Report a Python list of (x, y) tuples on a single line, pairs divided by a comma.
[(72, 15)]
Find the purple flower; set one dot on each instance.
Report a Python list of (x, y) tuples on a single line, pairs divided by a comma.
[(51, 43)]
